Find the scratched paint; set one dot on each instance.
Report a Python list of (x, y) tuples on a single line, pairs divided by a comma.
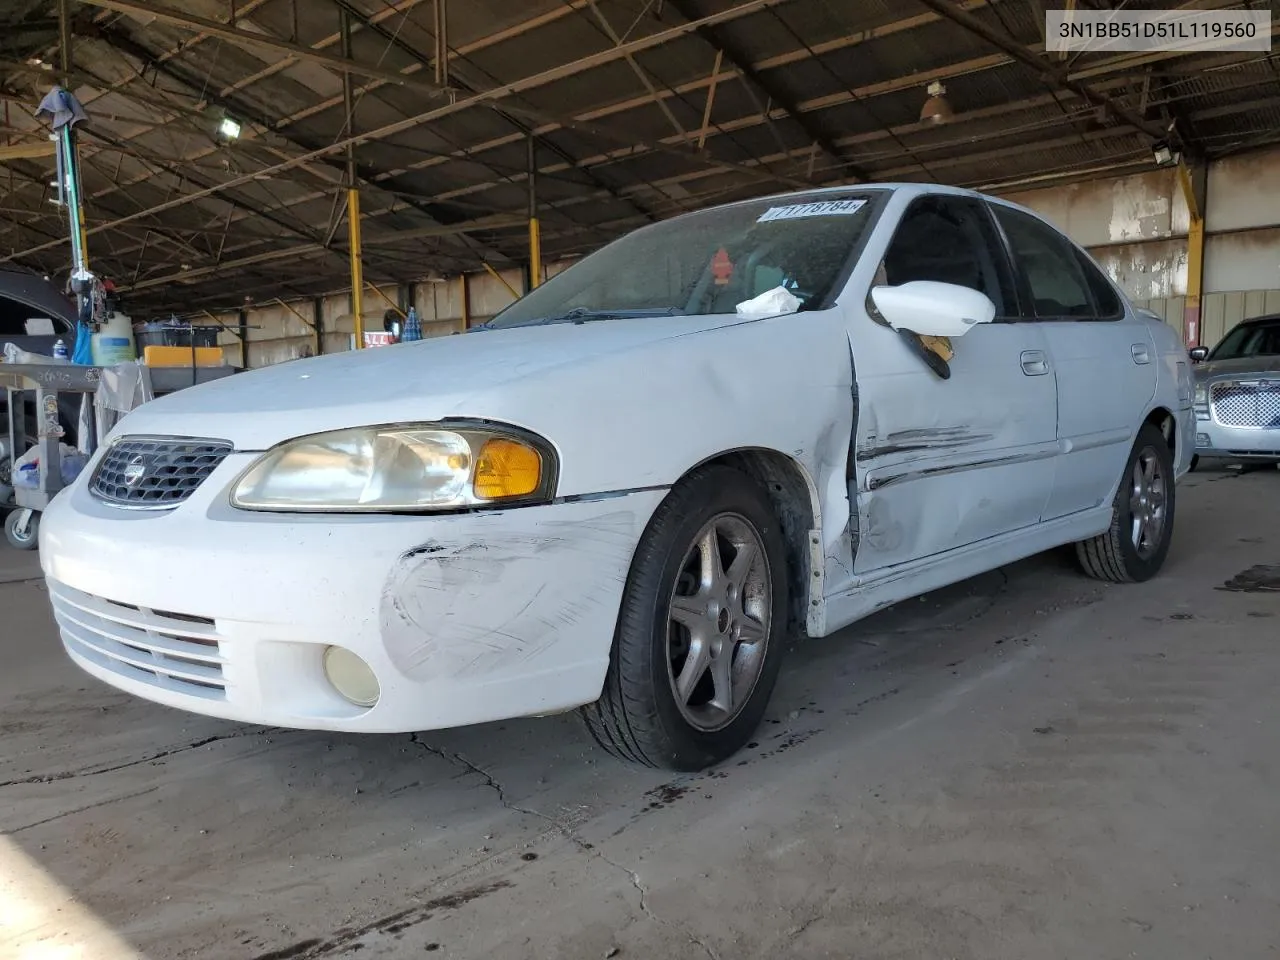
[(499, 603)]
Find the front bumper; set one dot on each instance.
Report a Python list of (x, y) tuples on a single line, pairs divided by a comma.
[(1213, 439), (464, 619)]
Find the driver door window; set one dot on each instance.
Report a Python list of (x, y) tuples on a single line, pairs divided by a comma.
[(950, 240)]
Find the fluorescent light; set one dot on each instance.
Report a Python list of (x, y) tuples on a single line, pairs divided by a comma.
[(229, 128)]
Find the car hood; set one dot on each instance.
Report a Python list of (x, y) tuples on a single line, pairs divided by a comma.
[(503, 374), (1255, 366)]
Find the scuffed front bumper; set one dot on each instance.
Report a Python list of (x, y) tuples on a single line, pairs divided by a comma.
[(464, 618), (1213, 439)]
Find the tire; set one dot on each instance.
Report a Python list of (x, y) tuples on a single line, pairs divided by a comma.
[(22, 541), (1129, 552), (1195, 462), (662, 644)]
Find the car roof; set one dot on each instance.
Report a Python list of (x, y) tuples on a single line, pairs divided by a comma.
[(36, 291), (913, 189), (1258, 321)]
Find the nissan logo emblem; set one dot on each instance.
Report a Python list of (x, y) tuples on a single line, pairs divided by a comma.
[(134, 472)]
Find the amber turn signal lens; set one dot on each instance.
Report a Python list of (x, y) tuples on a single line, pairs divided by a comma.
[(507, 468)]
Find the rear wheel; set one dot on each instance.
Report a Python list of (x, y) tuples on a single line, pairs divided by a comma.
[(700, 633), (1135, 546)]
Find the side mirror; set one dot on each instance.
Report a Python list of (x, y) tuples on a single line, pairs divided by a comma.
[(1198, 354), (933, 309)]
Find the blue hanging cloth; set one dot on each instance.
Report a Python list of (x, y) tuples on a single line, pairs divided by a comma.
[(83, 353)]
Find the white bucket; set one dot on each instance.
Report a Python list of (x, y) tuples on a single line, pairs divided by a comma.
[(114, 344)]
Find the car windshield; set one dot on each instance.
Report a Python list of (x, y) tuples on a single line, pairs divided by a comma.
[(707, 262), (1249, 340)]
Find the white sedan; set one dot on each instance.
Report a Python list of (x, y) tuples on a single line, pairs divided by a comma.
[(625, 491)]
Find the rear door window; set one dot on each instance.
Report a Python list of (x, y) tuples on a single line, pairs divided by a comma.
[(1050, 266)]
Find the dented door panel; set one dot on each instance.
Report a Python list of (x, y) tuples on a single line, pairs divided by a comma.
[(944, 463), (1104, 388)]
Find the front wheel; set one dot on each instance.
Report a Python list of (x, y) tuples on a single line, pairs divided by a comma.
[(1135, 546), (700, 633)]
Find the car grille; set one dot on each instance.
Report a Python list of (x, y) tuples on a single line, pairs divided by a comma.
[(153, 472), (166, 650), (1247, 403)]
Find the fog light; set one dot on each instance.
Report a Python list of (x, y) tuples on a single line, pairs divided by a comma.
[(1202, 440), (351, 676)]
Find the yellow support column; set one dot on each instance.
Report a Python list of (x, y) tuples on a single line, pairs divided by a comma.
[(1191, 331), (535, 232), (357, 269), (535, 252)]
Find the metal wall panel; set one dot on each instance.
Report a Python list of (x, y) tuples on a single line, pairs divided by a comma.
[(1153, 270), (1249, 260), (1244, 192), (1222, 311), (1144, 206)]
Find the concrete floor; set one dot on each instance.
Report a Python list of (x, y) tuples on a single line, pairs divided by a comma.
[(1028, 765)]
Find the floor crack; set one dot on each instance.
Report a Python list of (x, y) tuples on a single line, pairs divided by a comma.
[(71, 813), (150, 758), (459, 760), (567, 832)]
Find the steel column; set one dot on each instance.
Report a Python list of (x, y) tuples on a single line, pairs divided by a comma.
[(1193, 192), (353, 192), (535, 233)]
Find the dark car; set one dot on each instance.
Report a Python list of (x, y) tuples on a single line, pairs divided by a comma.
[(28, 296)]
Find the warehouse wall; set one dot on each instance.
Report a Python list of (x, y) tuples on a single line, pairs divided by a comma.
[(277, 331), (1136, 227)]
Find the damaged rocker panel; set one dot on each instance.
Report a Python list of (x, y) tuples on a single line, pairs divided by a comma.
[(1045, 453)]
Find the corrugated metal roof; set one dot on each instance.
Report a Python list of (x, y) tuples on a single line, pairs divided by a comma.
[(808, 91)]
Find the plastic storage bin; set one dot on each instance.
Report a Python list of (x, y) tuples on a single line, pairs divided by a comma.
[(175, 335)]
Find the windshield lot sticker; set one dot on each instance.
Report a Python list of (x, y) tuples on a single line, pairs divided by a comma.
[(827, 208)]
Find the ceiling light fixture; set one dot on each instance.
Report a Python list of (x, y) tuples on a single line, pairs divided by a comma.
[(936, 109), (1164, 155), (229, 129)]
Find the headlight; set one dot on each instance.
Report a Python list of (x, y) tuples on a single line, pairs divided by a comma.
[(400, 467), (1202, 393)]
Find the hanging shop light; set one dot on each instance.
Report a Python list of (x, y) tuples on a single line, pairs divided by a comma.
[(936, 109)]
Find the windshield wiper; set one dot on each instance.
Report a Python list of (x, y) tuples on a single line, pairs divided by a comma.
[(580, 315)]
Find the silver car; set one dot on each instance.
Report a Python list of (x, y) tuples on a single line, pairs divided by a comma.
[(1237, 395)]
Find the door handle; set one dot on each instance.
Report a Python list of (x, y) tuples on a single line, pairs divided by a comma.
[(1140, 353), (1034, 363)]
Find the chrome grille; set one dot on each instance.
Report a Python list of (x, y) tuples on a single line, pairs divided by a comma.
[(1247, 403), (155, 472), (171, 651)]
